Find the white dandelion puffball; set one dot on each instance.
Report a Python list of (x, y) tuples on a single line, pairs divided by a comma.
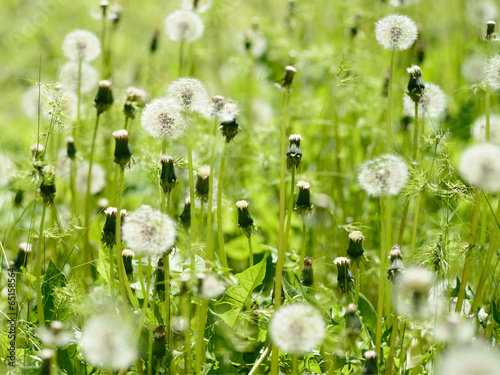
[(162, 119), (107, 341), (211, 287), (481, 11), (81, 45), (396, 32), (148, 232), (228, 112), (480, 166), (69, 77), (297, 328), (30, 101), (472, 68), (383, 176), (432, 104), (184, 26), (471, 359), (97, 179), (201, 5), (479, 129), (414, 291), (492, 73), (189, 94)]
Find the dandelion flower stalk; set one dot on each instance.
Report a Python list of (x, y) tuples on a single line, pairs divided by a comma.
[(210, 194), (220, 235), (38, 271)]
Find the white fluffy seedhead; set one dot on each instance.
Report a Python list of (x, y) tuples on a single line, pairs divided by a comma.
[(396, 32), (189, 94), (480, 167), (184, 26), (432, 104), (162, 119), (383, 176), (492, 73), (69, 77), (81, 45), (479, 129)]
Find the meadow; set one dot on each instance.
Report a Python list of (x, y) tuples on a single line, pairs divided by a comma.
[(249, 187)]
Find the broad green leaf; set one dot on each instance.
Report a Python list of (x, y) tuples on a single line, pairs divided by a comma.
[(289, 289), (68, 359), (54, 278), (237, 295), (368, 315), (103, 266)]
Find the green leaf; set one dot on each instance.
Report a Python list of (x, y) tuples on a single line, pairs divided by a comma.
[(237, 295), (103, 265), (311, 299), (495, 312), (289, 289), (368, 315), (54, 278), (68, 359)]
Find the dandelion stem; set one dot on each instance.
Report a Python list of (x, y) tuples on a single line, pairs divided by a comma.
[(381, 283), (222, 251), (414, 149), (38, 271), (250, 251), (200, 343), (167, 297), (294, 364), (145, 301), (389, 104), (259, 361), (470, 241), (86, 235), (112, 274), (187, 333), (302, 249), (358, 283), (79, 100), (181, 58), (281, 233), (191, 196), (290, 208), (210, 195), (416, 219), (394, 335), (72, 173)]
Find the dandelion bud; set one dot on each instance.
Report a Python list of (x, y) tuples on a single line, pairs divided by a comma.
[(229, 129), (202, 182), (22, 255), (160, 279), (48, 186), (184, 281), (135, 98), (355, 249), (416, 86), (345, 279), (123, 151), (108, 235), (307, 272), (154, 42), (159, 344), (304, 203), (245, 220), (490, 30), (104, 97), (168, 178), (46, 355), (396, 266), (352, 321), (185, 216), (294, 153), (104, 7), (288, 78), (127, 256), (70, 147), (18, 198), (37, 152), (116, 13), (371, 366), (431, 104)]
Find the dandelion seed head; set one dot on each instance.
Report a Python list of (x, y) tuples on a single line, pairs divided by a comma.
[(135, 95), (184, 26), (481, 11), (107, 341), (479, 129), (97, 179), (228, 112), (148, 232), (472, 68), (251, 42), (81, 45), (432, 104), (475, 358), (454, 330), (69, 77), (396, 32), (492, 73), (383, 176), (211, 287), (480, 166), (413, 292), (297, 328), (189, 94), (162, 118)]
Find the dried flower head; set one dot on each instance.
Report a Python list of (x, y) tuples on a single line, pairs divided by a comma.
[(286, 81), (480, 166), (185, 216), (184, 26), (307, 272), (56, 335), (48, 186), (352, 322), (355, 248), (479, 129), (148, 232), (22, 256), (162, 119), (108, 235), (297, 328), (252, 42), (416, 85), (396, 32), (69, 77), (202, 182), (490, 30), (454, 330), (383, 176), (396, 266), (123, 151), (127, 256), (189, 94), (294, 153), (304, 202), (104, 97), (345, 279), (135, 99), (245, 220), (168, 178), (81, 45), (432, 103), (492, 73)]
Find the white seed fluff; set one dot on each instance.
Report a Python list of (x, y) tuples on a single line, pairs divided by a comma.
[(470, 359), (189, 94), (108, 342), (212, 287), (297, 328), (472, 68), (148, 232), (81, 45), (432, 104), (98, 178), (480, 166), (162, 119), (383, 176), (492, 73), (69, 77), (479, 129), (396, 32), (183, 26)]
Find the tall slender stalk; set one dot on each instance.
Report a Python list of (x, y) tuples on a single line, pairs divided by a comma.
[(200, 342), (392, 350), (79, 100), (250, 251), (302, 249), (357, 281), (181, 58), (210, 194), (290, 208), (381, 283), (191, 192), (294, 364), (145, 302), (222, 251), (187, 333), (389, 104), (38, 271)]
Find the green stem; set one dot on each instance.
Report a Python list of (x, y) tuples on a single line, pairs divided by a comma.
[(381, 283), (261, 359), (72, 173), (471, 240), (202, 217), (181, 58), (200, 342), (145, 301), (250, 251), (414, 149), (302, 249), (294, 364), (103, 43), (222, 251), (112, 274), (38, 271), (281, 231), (209, 250), (290, 208), (416, 224), (88, 197), (389, 104), (487, 99), (358, 283), (79, 100), (394, 335), (193, 202), (187, 334), (167, 298)]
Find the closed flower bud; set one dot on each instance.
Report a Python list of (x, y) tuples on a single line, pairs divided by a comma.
[(160, 279), (123, 151), (294, 153), (202, 182), (355, 249), (304, 203), (352, 321), (108, 235), (48, 186), (345, 279), (287, 80), (127, 256), (396, 266), (154, 42), (416, 85), (307, 272), (22, 255), (185, 217), (245, 220), (70, 147), (18, 198), (135, 99), (168, 178), (104, 97), (229, 129), (159, 344), (371, 366), (490, 30)]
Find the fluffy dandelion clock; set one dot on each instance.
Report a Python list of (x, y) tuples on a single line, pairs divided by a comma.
[(189, 94), (108, 342), (492, 73), (81, 45), (396, 32), (471, 359), (480, 166), (97, 179), (472, 68), (162, 119), (69, 77), (297, 328), (432, 104), (383, 176), (184, 26), (479, 129), (413, 292), (148, 232)]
